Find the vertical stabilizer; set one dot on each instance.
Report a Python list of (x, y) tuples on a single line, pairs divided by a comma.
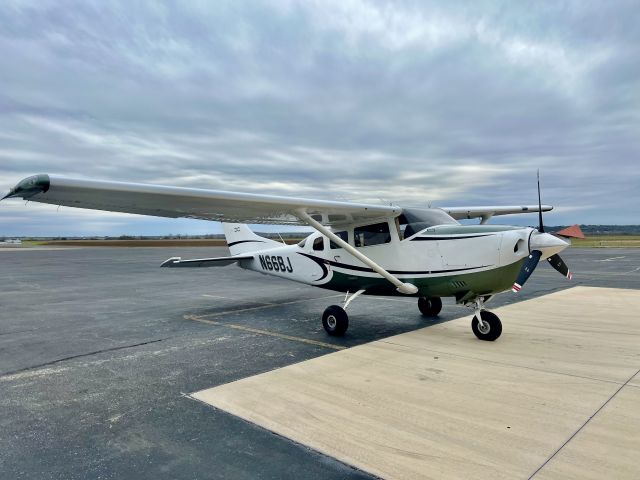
[(241, 239)]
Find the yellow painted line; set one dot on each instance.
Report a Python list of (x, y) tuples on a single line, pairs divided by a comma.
[(265, 305), (264, 332), (206, 319)]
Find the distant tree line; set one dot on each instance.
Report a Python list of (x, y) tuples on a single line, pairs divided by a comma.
[(587, 229)]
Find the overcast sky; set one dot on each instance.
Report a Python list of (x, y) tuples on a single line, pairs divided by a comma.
[(407, 102)]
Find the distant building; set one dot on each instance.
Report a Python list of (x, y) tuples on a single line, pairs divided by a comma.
[(12, 241)]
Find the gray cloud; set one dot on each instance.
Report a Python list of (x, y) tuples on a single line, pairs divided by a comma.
[(408, 102)]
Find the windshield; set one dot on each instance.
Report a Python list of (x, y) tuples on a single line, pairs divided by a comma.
[(413, 220)]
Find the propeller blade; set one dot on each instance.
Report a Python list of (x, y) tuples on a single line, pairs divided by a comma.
[(527, 269), (540, 224), (556, 262)]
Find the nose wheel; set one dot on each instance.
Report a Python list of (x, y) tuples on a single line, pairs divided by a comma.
[(488, 327)]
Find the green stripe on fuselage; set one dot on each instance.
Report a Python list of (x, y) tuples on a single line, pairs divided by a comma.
[(486, 282)]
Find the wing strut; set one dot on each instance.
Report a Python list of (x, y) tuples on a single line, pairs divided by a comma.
[(406, 288)]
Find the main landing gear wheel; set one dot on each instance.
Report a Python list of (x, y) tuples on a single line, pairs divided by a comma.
[(491, 326), (335, 320), (430, 307)]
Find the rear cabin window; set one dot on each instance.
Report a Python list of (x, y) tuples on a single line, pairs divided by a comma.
[(318, 244), (343, 235), (375, 234)]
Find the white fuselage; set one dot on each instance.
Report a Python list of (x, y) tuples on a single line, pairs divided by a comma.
[(433, 254)]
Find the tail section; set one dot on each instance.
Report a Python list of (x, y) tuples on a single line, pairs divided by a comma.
[(241, 239)]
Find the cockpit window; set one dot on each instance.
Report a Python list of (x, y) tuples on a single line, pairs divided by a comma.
[(343, 235), (413, 220), (372, 234), (318, 244)]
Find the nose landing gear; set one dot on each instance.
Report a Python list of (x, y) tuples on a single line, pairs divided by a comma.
[(485, 324), (490, 328)]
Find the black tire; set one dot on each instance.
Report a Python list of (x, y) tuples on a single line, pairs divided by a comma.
[(335, 320), (493, 327), (430, 307)]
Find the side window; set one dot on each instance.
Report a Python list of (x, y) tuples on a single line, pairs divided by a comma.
[(343, 235), (372, 234), (318, 244)]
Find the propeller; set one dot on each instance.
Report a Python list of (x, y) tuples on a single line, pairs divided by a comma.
[(542, 240)]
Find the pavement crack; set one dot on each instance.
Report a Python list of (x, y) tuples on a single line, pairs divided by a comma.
[(73, 357), (551, 457)]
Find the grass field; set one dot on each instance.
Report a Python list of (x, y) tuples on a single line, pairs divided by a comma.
[(599, 241), (608, 241)]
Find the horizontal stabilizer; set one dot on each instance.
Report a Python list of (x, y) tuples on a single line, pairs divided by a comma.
[(177, 262)]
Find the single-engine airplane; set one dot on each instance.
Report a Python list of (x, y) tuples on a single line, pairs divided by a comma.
[(357, 248)]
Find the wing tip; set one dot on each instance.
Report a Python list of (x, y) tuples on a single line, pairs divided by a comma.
[(171, 262), (30, 186)]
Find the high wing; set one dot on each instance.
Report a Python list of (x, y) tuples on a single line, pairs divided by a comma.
[(230, 207), (487, 212), (178, 202)]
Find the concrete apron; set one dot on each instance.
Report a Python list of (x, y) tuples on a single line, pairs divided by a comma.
[(557, 396)]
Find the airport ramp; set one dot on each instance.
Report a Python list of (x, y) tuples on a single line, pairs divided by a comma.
[(557, 396)]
